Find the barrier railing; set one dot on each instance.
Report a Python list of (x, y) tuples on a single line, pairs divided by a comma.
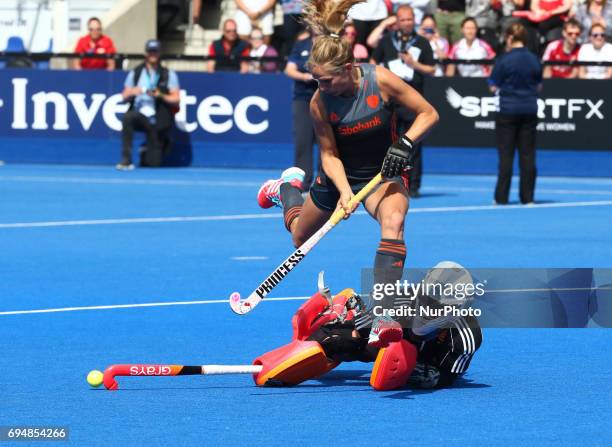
[(123, 58)]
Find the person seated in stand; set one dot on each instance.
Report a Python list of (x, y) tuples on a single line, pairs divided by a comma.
[(470, 47), (545, 19), (485, 12), (597, 50), (226, 54), (260, 49), (95, 42), (255, 14), (360, 52), (594, 11), (566, 50), (439, 45)]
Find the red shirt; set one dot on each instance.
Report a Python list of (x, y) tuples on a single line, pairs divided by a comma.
[(104, 45), (549, 5), (555, 52), (227, 48)]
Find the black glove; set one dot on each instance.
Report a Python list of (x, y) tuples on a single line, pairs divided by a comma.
[(399, 157)]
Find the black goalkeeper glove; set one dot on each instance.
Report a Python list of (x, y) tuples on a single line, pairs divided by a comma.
[(399, 157)]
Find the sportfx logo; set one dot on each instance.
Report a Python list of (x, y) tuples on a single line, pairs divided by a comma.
[(556, 108), (282, 271)]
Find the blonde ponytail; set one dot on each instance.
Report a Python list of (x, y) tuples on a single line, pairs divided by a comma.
[(326, 19)]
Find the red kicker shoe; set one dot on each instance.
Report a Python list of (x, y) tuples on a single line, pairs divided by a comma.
[(269, 193), (384, 331)]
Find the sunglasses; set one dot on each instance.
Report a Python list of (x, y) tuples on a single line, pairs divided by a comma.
[(229, 30), (597, 35), (574, 34)]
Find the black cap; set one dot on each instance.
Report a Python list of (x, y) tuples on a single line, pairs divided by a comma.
[(153, 45)]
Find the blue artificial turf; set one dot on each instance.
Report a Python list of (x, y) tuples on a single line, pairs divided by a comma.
[(524, 387)]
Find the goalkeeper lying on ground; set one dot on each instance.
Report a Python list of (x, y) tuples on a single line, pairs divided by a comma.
[(432, 353)]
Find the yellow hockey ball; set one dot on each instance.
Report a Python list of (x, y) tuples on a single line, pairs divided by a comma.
[(95, 378)]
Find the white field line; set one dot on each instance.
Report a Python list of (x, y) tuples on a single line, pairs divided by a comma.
[(477, 178), (288, 298), (138, 220), (125, 181), (226, 183), (549, 289), (510, 207), (585, 192), (132, 306)]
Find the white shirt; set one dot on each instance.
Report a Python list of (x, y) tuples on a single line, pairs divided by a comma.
[(478, 50), (588, 53), (370, 10)]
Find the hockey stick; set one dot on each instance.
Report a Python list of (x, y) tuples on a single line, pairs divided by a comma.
[(242, 307), (172, 370)]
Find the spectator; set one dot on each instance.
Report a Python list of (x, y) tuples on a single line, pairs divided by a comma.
[(260, 49), (516, 11), (547, 16), (404, 52), (367, 16), (486, 18), (196, 11), (303, 90), (153, 93), (420, 8), (387, 25), (517, 78), (360, 52), (565, 49), (292, 23), (470, 47), (449, 16), (598, 50), (251, 13), (94, 43), (595, 11), (225, 53), (439, 45), (410, 57), (507, 10)]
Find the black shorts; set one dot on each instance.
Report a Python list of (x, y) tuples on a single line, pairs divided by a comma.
[(325, 195)]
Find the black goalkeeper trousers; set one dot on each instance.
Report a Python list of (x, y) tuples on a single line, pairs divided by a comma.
[(516, 131)]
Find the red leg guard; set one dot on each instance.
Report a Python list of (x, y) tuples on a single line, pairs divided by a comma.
[(337, 308), (292, 364), (305, 315), (393, 366)]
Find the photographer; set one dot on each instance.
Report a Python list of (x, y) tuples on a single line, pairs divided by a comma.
[(153, 94), (409, 56)]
